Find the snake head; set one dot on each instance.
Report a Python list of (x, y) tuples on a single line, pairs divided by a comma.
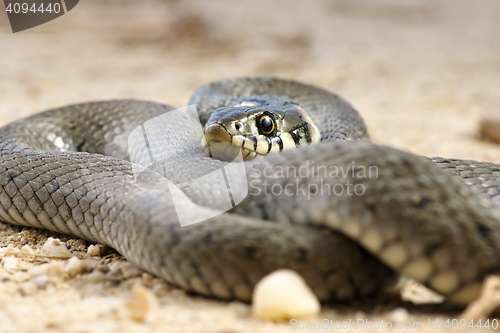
[(258, 126)]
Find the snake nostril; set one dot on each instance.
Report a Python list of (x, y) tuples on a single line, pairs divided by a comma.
[(237, 126)]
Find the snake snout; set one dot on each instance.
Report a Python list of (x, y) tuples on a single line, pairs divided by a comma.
[(215, 132), (218, 141)]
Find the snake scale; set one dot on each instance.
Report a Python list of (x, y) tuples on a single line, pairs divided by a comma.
[(434, 220)]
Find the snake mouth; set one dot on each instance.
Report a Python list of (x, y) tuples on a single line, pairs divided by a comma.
[(228, 151), (220, 144), (249, 154)]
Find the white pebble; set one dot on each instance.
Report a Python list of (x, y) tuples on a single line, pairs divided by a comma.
[(284, 295), (27, 250), (40, 281), (399, 315), (10, 264), (54, 248), (142, 305), (74, 266), (97, 250), (9, 250)]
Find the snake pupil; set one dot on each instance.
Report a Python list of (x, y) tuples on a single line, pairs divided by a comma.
[(266, 124)]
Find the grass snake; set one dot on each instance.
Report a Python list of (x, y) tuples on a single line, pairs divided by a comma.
[(432, 219)]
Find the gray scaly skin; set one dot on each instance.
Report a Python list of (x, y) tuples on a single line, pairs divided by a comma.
[(412, 216)]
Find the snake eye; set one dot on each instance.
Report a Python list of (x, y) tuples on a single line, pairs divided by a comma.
[(266, 124)]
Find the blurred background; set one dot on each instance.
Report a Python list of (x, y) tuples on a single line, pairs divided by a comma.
[(421, 72)]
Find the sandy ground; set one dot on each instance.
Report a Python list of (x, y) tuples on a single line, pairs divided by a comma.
[(421, 72)]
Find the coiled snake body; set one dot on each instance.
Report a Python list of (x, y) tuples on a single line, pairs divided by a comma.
[(66, 170)]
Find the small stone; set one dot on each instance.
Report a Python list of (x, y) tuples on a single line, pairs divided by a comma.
[(27, 250), (488, 302), (114, 272), (74, 266), (147, 277), (142, 304), (97, 250), (416, 293), (10, 264), (284, 295), (399, 315), (95, 277), (40, 281), (489, 129), (9, 250), (54, 248)]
